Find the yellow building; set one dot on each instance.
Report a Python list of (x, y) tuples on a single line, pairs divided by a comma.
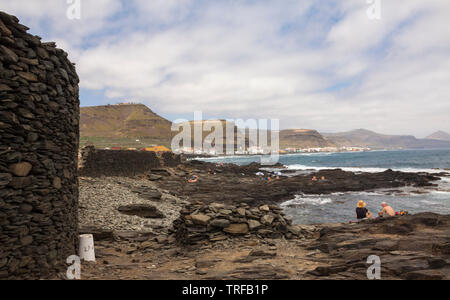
[(158, 149)]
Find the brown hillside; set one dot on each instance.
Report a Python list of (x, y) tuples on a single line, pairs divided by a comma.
[(208, 135), (123, 121)]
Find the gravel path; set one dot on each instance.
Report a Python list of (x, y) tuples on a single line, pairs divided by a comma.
[(100, 199)]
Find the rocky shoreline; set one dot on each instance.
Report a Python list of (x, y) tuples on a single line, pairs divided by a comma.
[(232, 184), (228, 225)]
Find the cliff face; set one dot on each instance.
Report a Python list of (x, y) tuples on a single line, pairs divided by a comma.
[(124, 121), (303, 138)]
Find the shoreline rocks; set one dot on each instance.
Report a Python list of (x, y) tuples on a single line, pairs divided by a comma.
[(416, 250)]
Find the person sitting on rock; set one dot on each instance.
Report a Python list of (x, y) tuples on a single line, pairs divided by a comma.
[(194, 179), (387, 211), (362, 212), (314, 178)]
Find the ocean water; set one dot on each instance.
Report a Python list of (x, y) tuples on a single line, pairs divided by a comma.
[(340, 207)]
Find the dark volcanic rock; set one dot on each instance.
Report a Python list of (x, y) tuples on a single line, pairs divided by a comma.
[(148, 193), (141, 210), (98, 233), (238, 184), (410, 252)]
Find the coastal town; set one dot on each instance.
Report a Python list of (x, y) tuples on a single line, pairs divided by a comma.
[(248, 151)]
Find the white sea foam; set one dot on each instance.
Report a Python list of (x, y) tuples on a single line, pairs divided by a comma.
[(429, 202), (441, 192), (369, 194), (445, 179), (365, 169), (302, 200), (314, 154)]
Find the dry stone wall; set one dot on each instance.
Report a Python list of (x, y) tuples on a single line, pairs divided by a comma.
[(97, 163), (171, 159), (39, 125)]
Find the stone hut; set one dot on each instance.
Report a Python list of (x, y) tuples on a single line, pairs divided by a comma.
[(39, 125)]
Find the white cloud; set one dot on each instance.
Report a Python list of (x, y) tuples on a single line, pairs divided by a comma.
[(48, 18), (314, 64)]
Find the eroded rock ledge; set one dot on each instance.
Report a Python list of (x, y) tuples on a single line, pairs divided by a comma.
[(410, 247)]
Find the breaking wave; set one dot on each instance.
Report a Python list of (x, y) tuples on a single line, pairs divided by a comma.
[(365, 169), (302, 200)]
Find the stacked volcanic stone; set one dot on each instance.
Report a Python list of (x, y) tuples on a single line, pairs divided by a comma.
[(98, 163), (39, 117), (84, 154), (215, 222), (171, 159)]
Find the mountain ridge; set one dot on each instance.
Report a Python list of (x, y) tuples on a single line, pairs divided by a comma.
[(439, 135), (128, 122), (303, 138), (371, 139)]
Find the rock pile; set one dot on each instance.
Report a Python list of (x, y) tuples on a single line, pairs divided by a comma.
[(39, 125), (216, 222)]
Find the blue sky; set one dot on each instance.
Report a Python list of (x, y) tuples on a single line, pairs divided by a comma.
[(322, 65)]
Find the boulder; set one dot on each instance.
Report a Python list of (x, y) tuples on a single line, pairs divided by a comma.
[(21, 169), (264, 208), (267, 220), (241, 212), (153, 177), (57, 184), (142, 210), (254, 225), (200, 219), (220, 223), (237, 229), (151, 195)]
